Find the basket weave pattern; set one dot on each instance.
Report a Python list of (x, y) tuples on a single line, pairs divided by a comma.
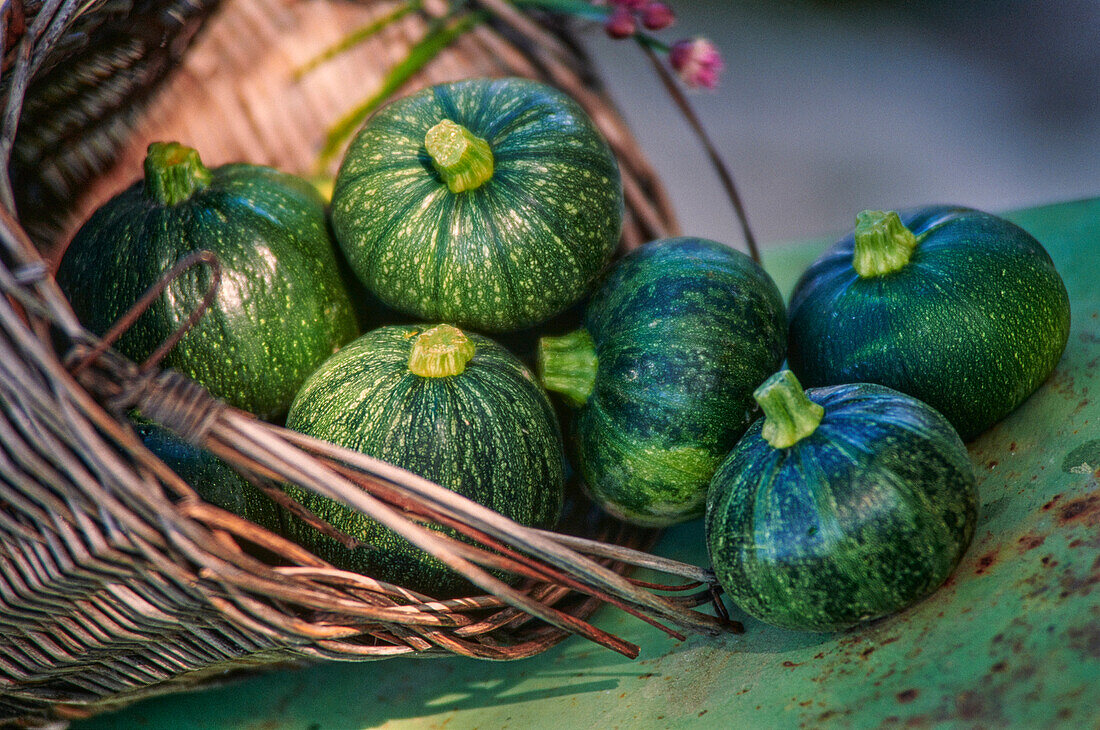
[(116, 580)]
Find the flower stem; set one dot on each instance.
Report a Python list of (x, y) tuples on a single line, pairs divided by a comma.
[(576, 8), (715, 159)]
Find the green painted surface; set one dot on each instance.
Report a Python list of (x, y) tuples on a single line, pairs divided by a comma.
[(1012, 639)]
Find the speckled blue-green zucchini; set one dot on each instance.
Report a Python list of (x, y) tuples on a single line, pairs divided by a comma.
[(213, 479), (492, 204), (958, 308), (675, 339), (280, 309), (455, 408), (841, 505)]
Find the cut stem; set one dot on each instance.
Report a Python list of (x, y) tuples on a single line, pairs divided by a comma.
[(440, 352), (173, 173), (883, 244), (789, 416), (462, 159), (567, 365)]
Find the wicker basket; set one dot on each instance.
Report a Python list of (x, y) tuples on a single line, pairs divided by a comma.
[(116, 580)]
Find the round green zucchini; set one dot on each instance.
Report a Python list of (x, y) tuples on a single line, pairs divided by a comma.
[(280, 308), (213, 479), (958, 308), (492, 204), (457, 409), (674, 341), (840, 505)]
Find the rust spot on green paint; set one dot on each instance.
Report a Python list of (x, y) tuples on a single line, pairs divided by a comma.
[(1085, 639), (1077, 584), (791, 664), (999, 667), (1053, 501), (970, 705), (1030, 542), (907, 695), (985, 562), (1084, 510)]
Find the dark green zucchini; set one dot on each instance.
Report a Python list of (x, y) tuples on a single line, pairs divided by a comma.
[(213, 479), (840, 505), (958, 308), (675, 339), (492, 204), (281, 308), (454, 408)]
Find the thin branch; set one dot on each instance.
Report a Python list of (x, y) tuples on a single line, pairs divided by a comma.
[(716, 160), (634, 557)]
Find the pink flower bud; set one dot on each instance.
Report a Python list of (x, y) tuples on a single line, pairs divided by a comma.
[(657, 16), (697, 62), (630, 4), (620, 24)]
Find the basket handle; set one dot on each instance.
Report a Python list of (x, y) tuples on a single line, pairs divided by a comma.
[(127, 320)]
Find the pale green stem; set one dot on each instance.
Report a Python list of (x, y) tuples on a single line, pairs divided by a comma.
[(173, 173), (883, 244), (567, 365), (440, 352), (462, 159), (789, 416)]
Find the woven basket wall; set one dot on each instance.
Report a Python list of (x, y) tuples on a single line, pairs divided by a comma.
[(116, 581)]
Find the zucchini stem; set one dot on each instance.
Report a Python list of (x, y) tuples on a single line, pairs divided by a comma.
[(883, 244), (440, 352), (789, 416), (173, 173), (462, 159), (567, 365)]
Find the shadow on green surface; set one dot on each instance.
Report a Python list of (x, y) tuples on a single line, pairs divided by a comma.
[(343, 697)]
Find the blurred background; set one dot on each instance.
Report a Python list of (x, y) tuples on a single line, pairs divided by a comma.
[(828, 108)]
